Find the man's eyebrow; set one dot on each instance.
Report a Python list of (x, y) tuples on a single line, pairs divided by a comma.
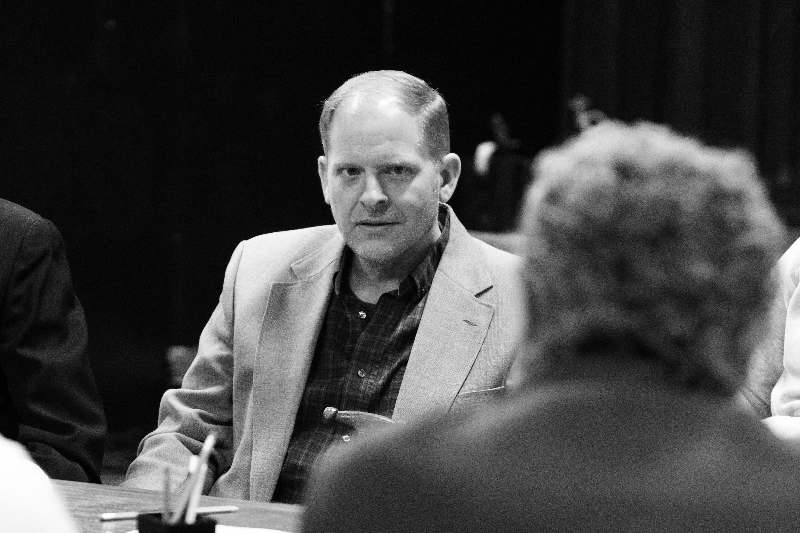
[(398, 163), (344, 164)]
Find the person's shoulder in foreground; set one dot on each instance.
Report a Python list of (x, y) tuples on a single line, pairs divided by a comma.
[(533, 462), (646, 277), (28, 501), (48, 401)]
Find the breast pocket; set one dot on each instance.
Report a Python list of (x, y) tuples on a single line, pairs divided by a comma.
[(467, 401)]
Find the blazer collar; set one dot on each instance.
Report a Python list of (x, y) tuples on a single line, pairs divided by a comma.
[(457, 262), (329, 252), (456, 319), (459, 259)]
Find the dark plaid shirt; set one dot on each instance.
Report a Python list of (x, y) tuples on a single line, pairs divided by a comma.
[(360, 359)]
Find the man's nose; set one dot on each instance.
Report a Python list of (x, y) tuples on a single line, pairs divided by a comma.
[(373, 196)]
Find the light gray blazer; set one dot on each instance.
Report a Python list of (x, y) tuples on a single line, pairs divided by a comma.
[(254, 355), (773, 383)]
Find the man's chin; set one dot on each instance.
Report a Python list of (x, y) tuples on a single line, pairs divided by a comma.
[(375, 252)]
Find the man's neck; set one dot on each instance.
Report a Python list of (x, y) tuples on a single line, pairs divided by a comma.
[(368, 280), (369, 289)]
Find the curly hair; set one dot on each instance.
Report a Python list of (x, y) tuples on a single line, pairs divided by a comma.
[(637, 235), (415, 96)]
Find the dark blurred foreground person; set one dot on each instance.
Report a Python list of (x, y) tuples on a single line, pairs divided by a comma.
[(646, 271), (48, 398)]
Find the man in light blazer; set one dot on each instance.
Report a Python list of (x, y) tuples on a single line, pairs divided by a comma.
[(395, 311)]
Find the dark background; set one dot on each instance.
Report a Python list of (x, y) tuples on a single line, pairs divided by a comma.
[(158, 134)]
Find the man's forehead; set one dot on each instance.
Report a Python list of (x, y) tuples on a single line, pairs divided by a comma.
[(370, 101), (368, 117)]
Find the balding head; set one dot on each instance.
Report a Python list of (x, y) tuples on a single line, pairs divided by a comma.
[(392, 87)]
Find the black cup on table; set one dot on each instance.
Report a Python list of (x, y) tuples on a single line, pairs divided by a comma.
[(153, 523)]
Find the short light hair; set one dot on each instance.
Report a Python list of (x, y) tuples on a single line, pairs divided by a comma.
[(415, 96), (638, 237)]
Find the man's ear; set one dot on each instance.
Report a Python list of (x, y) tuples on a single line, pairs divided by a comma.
[(450, 172), (322, 166)]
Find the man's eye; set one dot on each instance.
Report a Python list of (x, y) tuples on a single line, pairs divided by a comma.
[(349, 172), (398, 170)]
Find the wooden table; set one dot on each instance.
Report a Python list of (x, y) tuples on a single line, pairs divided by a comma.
[(87, 500)]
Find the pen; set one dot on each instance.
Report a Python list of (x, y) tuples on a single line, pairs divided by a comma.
[(196, 476), (194, 497), (208, 445), (183, 500), (131, 515), (167, 510)]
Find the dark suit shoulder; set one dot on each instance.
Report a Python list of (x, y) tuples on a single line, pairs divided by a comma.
[(12, 213), (16, 221), (25, 237)]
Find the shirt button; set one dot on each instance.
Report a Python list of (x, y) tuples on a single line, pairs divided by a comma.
[(346, 438), (362, 315), (361, 373)]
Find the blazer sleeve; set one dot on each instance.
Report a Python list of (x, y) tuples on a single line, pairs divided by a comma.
[(766, 363), (202, 405), (51, 386), (785, 396)]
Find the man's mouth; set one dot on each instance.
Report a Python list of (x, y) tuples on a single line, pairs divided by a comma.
[(374, 223)]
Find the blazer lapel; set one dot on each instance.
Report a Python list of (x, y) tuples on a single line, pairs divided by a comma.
[(457, 316), (292, 320)]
